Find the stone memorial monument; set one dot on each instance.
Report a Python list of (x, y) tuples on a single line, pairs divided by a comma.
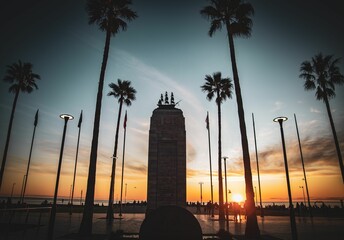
[(166, 156)]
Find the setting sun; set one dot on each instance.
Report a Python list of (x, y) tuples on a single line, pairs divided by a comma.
[(237, 198)]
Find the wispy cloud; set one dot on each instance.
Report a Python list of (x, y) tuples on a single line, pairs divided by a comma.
[(154, 77), (319, 156), (314, 110), (277, 106)]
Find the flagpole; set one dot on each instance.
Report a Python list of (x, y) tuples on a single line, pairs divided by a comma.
[(211, 174), (76, 162), (255, 145), (28, 165), (303, 168), (125, 131)]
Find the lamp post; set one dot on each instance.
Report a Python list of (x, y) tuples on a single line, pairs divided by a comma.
[(65, 117), (125, 196), (200, 184), (225, 165), (303, 193), (280, 120), (81, 197)]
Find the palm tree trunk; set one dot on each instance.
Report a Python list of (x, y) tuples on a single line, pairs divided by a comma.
[(4, 158), (252, 229), (221, 210), (109, 213), (335, 137), (86, 222)]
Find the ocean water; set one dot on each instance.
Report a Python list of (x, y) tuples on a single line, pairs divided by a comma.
[(60, 200), (37, 200)]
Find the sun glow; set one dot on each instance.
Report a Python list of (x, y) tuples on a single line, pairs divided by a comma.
[(237, 198)]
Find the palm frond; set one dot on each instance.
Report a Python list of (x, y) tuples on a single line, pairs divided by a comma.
[(309, 85), (215, 25), (210, 13), (330, 93), (320, 94)]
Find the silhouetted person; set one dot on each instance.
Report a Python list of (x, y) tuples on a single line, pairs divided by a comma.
[(198, 207)]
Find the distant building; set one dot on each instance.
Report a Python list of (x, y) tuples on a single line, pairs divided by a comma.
[(166, 156)]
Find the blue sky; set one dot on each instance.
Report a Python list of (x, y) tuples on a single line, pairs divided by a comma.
[(167, 49)]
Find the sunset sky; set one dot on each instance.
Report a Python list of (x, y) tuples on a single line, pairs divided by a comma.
[(167, 49)]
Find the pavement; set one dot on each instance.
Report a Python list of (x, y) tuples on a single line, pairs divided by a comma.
[(27, 226)]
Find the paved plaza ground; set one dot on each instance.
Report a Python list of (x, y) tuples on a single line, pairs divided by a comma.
[(272, 227)]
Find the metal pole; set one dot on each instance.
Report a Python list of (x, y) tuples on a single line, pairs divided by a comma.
[(70, 195), (211, 172), (227, 220), (125, 196), (22, 189), (81, 198), (260, 190), (291, 207), (53, 208), (125, 131), (303, 168), (76, 162), (28, 165), (200, 184)]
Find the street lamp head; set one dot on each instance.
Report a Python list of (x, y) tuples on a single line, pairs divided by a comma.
[(224, 158), (66, 116), (280, 119)]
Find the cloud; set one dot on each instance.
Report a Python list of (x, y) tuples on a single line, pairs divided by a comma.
[(277, 106), (319, 153), (136, 168), (191, 153), (314, 110), (154, 77), (190, 173)]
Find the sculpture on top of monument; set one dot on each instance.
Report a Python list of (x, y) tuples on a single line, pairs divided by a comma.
[(161, 100), (165, 102), (172, 99), (166, 99)]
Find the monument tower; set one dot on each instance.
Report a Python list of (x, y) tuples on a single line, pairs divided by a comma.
[(166, 156)]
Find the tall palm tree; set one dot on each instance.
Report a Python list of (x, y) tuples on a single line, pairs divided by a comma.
[(235, 16), (111, 17), (221, 89), (125, 94), (22, 78), (322, 74)]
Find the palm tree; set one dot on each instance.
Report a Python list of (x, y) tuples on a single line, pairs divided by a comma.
[(110, 16), (220, 88), (22, 78), (236, 17), (322, 74), (125, 94)]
